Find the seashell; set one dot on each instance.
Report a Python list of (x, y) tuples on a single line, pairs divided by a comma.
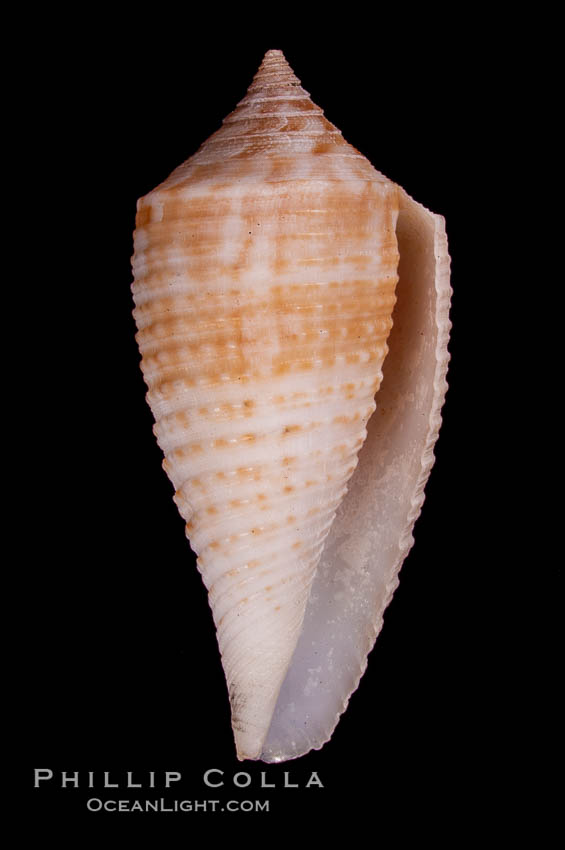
[(265, 277)]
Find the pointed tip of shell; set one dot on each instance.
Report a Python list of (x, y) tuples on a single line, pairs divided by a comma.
[(274, 69), (274, 59), (274, 54)]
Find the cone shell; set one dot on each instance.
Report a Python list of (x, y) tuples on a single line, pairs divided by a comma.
[(265, 279)]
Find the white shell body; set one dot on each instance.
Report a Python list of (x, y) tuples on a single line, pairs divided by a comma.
[(265, 272)]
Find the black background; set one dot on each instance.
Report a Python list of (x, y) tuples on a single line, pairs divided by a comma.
[(117, 667)]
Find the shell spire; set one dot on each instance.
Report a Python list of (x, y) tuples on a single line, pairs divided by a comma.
[(275, 133), (275, 78), (275, 93), (277, 112), (265, 269)]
